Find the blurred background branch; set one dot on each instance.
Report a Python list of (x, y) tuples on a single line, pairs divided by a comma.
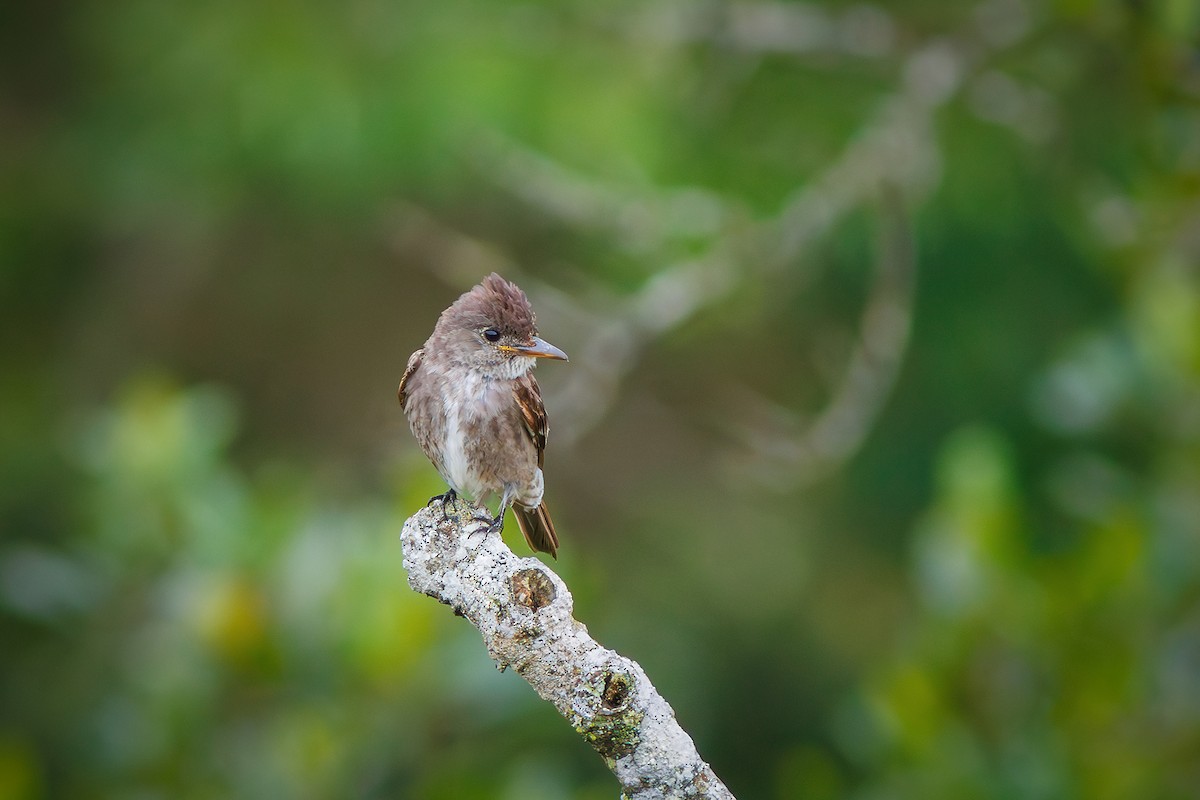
[(879, 446)]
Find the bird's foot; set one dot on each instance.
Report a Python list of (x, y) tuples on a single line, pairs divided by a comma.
[(494, 524), (445, 499)]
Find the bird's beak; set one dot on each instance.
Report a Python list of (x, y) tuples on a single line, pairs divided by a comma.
[(539, 348)]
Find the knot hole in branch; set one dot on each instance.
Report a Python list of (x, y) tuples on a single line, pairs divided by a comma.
[(616, 692), (612, 720), (533, 589)]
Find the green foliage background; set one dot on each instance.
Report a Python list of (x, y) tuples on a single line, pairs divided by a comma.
[(224, 226)]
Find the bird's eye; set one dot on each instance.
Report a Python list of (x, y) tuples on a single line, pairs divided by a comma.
[(492, 335)]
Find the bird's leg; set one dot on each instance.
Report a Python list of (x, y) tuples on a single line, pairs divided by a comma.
[(497, 522)]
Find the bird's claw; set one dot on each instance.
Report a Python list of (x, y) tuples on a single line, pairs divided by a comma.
[(445, 499), (494, 524)]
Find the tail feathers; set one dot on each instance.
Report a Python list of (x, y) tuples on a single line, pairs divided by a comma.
[(537, 528)]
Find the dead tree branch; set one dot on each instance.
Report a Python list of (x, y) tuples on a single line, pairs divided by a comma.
[(523, 610)]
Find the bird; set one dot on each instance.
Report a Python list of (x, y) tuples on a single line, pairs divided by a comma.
[(475, 409)]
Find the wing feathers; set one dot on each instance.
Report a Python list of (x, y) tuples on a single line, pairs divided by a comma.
[(529, 400), (414, 361)]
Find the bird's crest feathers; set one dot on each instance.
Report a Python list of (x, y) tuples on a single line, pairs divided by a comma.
[(498, 303)]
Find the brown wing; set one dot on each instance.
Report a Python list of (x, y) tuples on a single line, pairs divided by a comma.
[(535, 523), (529, 400), (414, 361)]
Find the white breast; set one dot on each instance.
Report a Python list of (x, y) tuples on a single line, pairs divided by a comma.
[(481, 398), (454, 456)]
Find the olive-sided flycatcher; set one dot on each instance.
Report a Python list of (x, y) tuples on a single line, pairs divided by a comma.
[(477, 412)]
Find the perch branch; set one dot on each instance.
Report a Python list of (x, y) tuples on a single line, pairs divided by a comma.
[(523, 611)]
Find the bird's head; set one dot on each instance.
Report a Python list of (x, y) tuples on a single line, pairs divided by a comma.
[(493, 329)]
